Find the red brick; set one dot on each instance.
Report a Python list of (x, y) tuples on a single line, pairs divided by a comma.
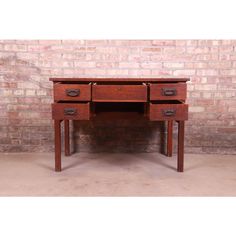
[(140, 72), (110, 50), (152, 49), (84, 64), (119, 42), (164, 42), (208, 72), (30, 92), (208, 87), (228, 72), (227, 49), (151, 65), (69, 72), (73, 42), (97, 42), (220, 64), (198, 50), (161, 72), (140, 43), (38, 48), (62, 63), (209, 42), (184, 72), (191, 42), (49, 42), (95, 71), (49, 56), (196, 65), (234, 64), (196, 109), (118, 72), (129, 65), (104, 64), (207, 57), (27, 56), (15, 47), (174, 65), (173, 50)]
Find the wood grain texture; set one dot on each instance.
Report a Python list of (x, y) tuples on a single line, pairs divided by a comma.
[(163, 91), (180, 161), (119, 93), (169, 137), (82, 111), (57, 139), (61, 92), (157, 112), (67, 137)]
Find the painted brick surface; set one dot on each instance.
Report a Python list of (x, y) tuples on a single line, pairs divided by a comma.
[(26, 93)]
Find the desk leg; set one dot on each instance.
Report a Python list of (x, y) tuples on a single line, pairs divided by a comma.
[(169, 137), (180, 146), (67, 137), (57, 130)]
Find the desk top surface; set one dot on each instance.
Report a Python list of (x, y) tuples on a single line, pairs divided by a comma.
[(122, 79)]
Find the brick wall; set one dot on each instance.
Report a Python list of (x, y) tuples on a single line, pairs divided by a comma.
[(26, 93)]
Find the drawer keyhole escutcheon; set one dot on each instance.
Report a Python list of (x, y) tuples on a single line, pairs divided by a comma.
[(72, 92)]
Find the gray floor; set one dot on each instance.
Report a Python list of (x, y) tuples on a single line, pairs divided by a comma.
[(106, 174)]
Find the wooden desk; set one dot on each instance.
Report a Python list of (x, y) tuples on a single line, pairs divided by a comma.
[(158, 99)]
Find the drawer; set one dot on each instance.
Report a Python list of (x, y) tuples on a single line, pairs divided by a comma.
[(72, 92), (171, 91), (71, 111), (119, 93), (168, 111)]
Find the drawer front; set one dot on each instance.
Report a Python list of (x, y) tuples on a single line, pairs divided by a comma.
[(72, 111), (119, 93), (168, 111), (175, 91), (72, 92)]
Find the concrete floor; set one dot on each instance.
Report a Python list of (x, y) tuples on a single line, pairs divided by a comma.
[(106, 174)]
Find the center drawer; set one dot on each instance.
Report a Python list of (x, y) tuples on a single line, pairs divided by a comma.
[(72, 92), (119, 93), (71, 111)]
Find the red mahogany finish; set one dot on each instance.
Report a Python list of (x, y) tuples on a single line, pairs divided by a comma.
[(156, 98)]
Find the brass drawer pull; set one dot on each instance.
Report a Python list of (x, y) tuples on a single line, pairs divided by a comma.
[(169, 91), (72, 92), (70, 111), (169, 112)]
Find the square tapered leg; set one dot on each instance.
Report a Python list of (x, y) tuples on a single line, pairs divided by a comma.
[(57, 132), (180, 161), (169, 137), (67, 137)]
